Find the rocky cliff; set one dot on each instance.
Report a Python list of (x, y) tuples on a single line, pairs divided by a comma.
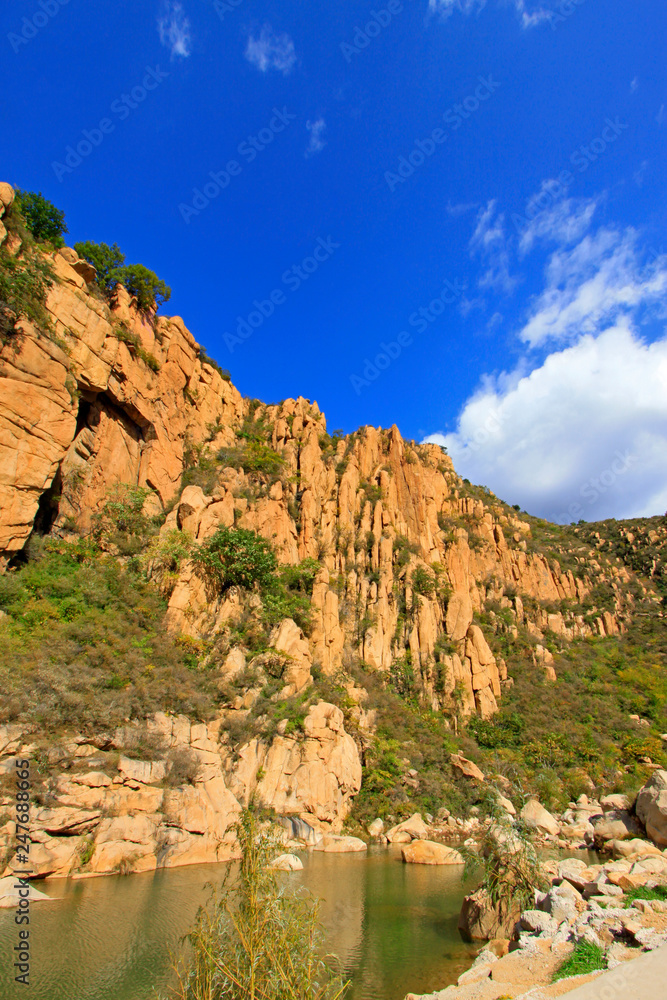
[(417, 574)]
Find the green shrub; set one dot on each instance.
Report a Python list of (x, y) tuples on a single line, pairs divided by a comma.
[(88, 639), (585, 958), (423, 581), (509, 864), (24, 283), (122, 520), (149, 290), (258, 940), (43, 219), (107, 261), (236, 557)]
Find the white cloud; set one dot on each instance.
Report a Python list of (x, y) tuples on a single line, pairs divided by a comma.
[(530, 14), (317, 141), (174, 29), (589, 286), (634, 85), (491, 244), (584, 435), (559, 221), (271, 51)]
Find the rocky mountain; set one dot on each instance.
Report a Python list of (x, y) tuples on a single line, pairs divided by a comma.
[(117, 429)]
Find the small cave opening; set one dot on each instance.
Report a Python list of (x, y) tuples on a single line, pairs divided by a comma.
[(49, 505)]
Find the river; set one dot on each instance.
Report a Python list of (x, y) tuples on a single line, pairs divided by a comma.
[(393, 926)]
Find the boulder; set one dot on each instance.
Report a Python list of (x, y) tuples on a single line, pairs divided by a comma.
[(148, 772), (651, 807), (480, 920), (537, 817), (375, 828), (332, 844), (617, 824), (289, 639), (287, 863), (411, 829), (613, 802), (9, 892), (427, 852), (627, 848), (538, 922), (466, 767)]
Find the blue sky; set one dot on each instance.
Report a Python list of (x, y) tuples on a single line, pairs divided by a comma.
[(448, 215)]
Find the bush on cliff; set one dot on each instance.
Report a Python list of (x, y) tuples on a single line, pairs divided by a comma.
[(258, 940), (236, 557), (42, 218), (87, 639), (109, 262)]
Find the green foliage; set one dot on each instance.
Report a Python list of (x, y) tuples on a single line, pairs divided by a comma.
[(585, 958), (423, 582), (122, 520), (107, 261), (43, 219), (258, 940), (149, 290), (88, 639), (24, 283), (403, 551), (509, 865), (236, 557)]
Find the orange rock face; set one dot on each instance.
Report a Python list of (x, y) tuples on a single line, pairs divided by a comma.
[(407, 555)]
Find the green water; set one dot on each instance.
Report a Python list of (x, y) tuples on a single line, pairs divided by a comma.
[(393, 926)]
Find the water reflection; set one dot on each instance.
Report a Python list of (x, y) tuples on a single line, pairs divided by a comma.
[(393, 926)]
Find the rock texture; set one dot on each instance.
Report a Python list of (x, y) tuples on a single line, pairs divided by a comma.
[(651, 807), (115, 395), (135, 815)]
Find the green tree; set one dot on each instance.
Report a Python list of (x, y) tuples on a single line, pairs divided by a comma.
[(43, 219), (107, 261), (258, 941), (145, 285), (236, 557)]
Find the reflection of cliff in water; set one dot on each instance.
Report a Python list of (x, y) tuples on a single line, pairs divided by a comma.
[(393, 926)]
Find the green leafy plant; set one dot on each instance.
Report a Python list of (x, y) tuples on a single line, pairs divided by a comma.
[(236, 557), (257, 940), (107, 261), (509, 865), (145, 285), (24, 283), (43, 219)]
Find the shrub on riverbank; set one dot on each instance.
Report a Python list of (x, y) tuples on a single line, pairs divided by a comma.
[(258, 940)]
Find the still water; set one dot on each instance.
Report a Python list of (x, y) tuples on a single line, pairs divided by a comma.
[(393, 926)]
